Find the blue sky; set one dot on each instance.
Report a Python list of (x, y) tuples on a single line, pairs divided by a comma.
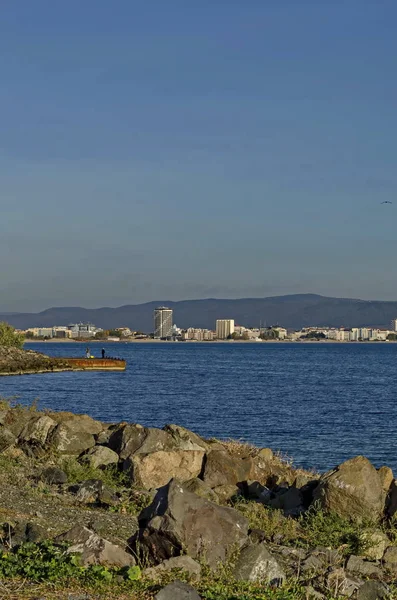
[(170, 150)]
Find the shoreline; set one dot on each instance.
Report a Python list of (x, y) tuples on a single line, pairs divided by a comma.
[(151, 341)]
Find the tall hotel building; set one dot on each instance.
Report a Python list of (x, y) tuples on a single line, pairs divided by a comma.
[(163, 323), (224, 328)]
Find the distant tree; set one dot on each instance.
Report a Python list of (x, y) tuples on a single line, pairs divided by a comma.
[(315, 335), (269, 334), (392, 337), (101, 335), (9, 337), (114, 333)]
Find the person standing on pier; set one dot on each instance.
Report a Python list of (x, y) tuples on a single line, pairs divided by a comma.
[(87, 352), (103, 352)]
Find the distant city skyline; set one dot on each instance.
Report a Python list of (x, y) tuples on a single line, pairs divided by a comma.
[(174, 150)]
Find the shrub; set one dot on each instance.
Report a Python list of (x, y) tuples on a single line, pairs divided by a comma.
[(9, 337)]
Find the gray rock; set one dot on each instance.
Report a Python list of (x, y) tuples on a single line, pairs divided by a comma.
[(54, 475), (95, 550), (126, 439), (256, 563), (37, 430), (177, 590), (78, 423), (312, 594), (340, 584), (321, 559), (223, 469), (390, 559), (183, 563), (375, 545), (197, 486), (373, 590), (254, 489), (391, 502), (178, 520), (185, 439), (68, 441), (226, 493), (100, 456), (357, 565), (92, 491), (7, 438), (352, 490)]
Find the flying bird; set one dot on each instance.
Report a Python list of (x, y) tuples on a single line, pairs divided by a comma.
[(386, 202)]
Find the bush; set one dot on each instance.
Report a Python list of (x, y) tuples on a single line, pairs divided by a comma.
[(9, 337)]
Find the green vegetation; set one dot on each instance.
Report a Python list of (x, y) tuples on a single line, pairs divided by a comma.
[(9, 337)]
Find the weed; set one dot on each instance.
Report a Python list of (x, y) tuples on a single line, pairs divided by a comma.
[(269, 520)]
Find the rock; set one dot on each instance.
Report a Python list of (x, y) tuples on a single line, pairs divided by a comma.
[(7, 438), (390, 559), (320, 559), (361, 567), (289, 501), (125, 439), (36, 533), (385, 475), (92, 491), (94, 549), (156, 469), (340, 584), (177, 590), (391, 502), (17, 418), (183, 563), (178, 520), (223, 469), (54, 475), (156, 440), (37, 430), (100, 456), (185, 439), (197, 486), (266, 454), (375, 544), (312, 594), (68, 441), (373, 590), (78, 423), (352, 490), (226, 493), (256, 563), (254, 489)]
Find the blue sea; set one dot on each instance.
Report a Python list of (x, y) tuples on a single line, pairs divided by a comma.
[(317, 403)]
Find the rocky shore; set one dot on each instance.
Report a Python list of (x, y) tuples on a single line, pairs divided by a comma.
[(166, 514), (15, 361)]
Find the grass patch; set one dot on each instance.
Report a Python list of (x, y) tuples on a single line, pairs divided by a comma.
[(80, 471), (270, 521)]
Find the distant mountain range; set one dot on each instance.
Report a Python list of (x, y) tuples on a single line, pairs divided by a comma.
[(293, 311)]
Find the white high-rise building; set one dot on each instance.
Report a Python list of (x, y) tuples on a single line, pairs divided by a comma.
[(224, 328), (394, 324), (163, 323)]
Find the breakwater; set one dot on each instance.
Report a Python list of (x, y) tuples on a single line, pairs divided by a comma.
[(126, 496)]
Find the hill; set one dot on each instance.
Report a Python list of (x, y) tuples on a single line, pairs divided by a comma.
[(293, 311)]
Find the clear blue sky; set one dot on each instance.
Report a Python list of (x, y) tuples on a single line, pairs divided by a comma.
[(178, 149)]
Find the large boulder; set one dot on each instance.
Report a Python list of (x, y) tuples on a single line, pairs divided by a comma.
[(181, 563), (37, 430), (71, 441), (78, 423), (178, 520), (221, 468), (100, 456), (186, 439), (256, 563), (129, 439), (95, 550), (352, 490), (156, 469)]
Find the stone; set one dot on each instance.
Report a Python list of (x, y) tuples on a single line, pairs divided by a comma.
[(311, 593), (178, 520), (226, 493), (36, 533), (289, 501), (197, 486), (54, 475), (68, 441), (352, 490), (361, 567), (321, 559), (375, 544), (126, 439), (37, 430), (221, 468), (92, 491), (185, 439), (177, 590), (95, 550), (158, 468), (385, 475), (17, 418), (157, 440), (183, 563), (256, 563), (391, 502), (254, 489), (78, 423), (390, 559), (341, 584), (266, 454), (373, 590), (7, 439), (100, 456)]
